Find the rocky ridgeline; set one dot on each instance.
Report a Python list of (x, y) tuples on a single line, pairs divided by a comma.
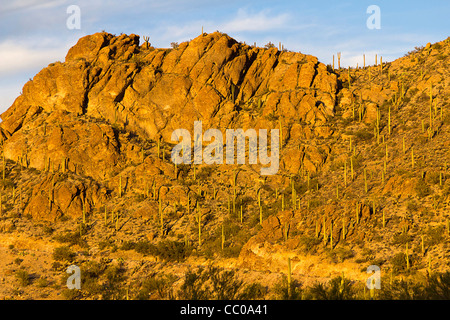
[(111, 100), (363, 153)]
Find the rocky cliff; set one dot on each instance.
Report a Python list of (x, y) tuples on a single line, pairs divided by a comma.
[(363, 163)]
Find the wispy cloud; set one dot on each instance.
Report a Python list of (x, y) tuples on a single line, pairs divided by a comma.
[(256, 22), (9, 6), (242, 21), (16, 57)]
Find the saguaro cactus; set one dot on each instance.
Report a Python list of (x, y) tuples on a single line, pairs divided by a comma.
[(260, 215), (365, 180), (199, 226), (289, 277), (84, 210), (4, 166), (344, 232), (160, 214), (223, 237), (120, 186), (407, 257), (146, 40), (331, 235), (345, 173), (357, 212), (351, 168)]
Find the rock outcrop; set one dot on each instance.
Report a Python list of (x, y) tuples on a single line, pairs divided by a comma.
[(363, 160)]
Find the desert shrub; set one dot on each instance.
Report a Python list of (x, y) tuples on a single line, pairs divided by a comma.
[(235, 238), (210, 283), (23, 277), (128, 245), (159, 287), (398, 262), (339, 288), (315, 203), (183, 171), (437, 46), (341, 254), (434, 235), (401, 238), (63, 253), (69, 294), (225, 286), (253, 291), (143, 247), (363, 135), (433, 177), (114, 273), (71, 238), (309, 243), (193, 286), (6, 183), (399, 290), (204, 173), (171, 250), (101, 278), (438, 287), (167, 249), (412, 206), (423, 97), (105, 243), (42, 282), (283, 292), (422, 188)]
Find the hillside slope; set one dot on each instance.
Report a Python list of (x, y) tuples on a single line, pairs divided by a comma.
[(363, 177)]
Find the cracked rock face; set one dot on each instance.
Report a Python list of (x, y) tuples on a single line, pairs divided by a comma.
[(67, 110), (91, 137)]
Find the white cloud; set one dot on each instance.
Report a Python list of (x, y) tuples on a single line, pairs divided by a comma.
[(242, 21), (16, 57), (24, 4), (21, 60), (260, 21)]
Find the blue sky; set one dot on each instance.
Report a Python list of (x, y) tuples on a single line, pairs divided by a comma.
[(33, 33)]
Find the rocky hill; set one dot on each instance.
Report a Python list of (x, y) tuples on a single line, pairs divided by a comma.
[(88, 179)]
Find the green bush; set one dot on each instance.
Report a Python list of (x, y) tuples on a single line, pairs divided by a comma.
[(438, 287), (398, 262), (160, 287), (281, 289), (339, 288), (167, 249), (401, 238), (363, 135), (422, 188), (254, 291), (434, 235), (63, 254), (23, 277), (210, 283)]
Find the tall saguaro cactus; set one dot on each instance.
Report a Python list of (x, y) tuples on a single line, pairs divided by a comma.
[(289, 277), (199, 226), (146, 40)]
